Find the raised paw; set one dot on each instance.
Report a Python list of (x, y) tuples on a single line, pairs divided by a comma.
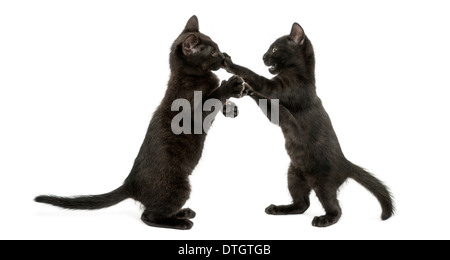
[(227, 63), (248, 91), (230, 110), (324, 221), (237, 87), (186, 214), (285, 210), (233, 87)]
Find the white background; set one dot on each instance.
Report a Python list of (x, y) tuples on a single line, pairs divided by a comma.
[(79, 81)]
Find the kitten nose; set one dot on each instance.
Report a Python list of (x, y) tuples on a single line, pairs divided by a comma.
[(265, 57), (221, 56)]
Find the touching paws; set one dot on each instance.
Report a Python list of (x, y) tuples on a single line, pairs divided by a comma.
[(248, 91), (228, 63), (233, 87)]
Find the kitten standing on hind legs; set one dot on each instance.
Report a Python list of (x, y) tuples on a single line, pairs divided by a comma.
[(159, 179), (317, 161)]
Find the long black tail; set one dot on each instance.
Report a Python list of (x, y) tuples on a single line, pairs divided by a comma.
[(377, 188), (86, 202)]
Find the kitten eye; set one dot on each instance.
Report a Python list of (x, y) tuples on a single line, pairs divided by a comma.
[(274, 49)]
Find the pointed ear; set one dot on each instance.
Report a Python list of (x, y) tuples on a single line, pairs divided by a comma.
[(192, 25), (297, 34), (189, 44)]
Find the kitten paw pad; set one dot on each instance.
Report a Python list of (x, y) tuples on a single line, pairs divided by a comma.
[(248, 91)]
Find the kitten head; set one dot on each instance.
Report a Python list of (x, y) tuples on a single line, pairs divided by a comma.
[(194, 52), (290, 51)]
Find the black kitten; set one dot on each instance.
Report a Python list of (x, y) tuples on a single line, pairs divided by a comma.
[(317, 161), (159, 178)]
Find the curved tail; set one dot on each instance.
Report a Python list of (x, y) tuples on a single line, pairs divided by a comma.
[(377, 188), (86, 202)]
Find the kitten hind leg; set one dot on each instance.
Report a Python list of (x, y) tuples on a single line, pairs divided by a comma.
[(328, 198), (299, 190), (173, 222)]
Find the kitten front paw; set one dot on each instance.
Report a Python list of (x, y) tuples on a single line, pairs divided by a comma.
[(230, 110), (233, 87), (324, 221), (186, 213), (248, 91), (290, 209), (228, 63)]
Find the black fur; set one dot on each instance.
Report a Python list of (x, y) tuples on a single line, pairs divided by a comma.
[(317, 162), (159, 178)]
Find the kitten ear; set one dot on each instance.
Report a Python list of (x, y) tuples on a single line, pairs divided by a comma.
[(189, 44), (192, 25), (297, 34)]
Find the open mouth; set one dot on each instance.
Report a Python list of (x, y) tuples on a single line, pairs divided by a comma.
[(273, 69)]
